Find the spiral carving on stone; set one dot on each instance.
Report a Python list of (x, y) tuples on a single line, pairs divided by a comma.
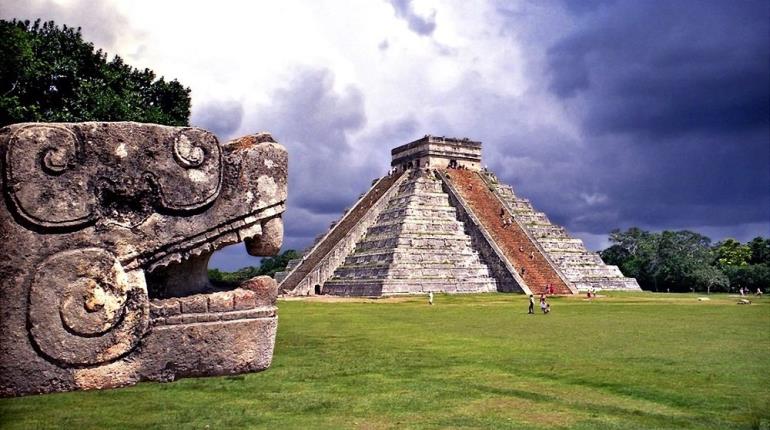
[(45, 182), (198, 181), (84, 309), (56, 160), (186, 153)]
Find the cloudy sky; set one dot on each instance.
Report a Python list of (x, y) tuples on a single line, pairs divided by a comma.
[(606, 114)]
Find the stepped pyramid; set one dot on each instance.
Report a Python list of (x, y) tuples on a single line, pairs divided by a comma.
[(415, 245), (438, 222)]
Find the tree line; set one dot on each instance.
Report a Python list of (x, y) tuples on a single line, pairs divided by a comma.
[(687, 261), (268, 266), (49, 73)]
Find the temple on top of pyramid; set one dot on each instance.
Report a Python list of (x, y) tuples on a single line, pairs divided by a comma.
[(438, 153), (439, 222)]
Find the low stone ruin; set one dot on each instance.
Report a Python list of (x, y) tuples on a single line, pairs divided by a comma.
[(105, 234)]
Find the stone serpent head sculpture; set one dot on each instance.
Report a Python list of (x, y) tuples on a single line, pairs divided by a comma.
[(105, 234)]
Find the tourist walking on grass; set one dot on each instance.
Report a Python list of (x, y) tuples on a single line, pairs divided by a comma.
[(531, 304)]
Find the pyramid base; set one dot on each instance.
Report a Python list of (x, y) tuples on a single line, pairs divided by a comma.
[(386, 287)]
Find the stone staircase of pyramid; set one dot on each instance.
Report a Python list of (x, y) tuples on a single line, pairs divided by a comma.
[(519, 248), (415, 245), (303, 275), (583, 268)]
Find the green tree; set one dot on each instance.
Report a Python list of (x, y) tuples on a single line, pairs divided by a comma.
[(681, 255), (670, 260), (711, 278), (635, 252), (51, 74), (760, 251), (730, 252), (268, 266), (752, 276)]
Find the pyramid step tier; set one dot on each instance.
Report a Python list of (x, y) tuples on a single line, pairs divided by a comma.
[(318, 263), (576, 259), (415, 243), (415, 272), (421, 242), (521, 252), (379, 287), (416, 227), (584, 269), (391, 256)]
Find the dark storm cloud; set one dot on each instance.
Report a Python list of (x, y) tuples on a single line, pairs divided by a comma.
[(580, 7), (674, 104), (223, 118), (418, 24), (313, 120), (662, 68), (100, 22)]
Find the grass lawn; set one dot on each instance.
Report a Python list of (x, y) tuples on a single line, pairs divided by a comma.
[(626, 361)]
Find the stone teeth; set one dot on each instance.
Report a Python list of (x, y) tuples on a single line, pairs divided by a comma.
[(244, 299), (250, 231), (239, 299), (225, 239), (194, 304), (221, 301), (164, 308), (166, 261)]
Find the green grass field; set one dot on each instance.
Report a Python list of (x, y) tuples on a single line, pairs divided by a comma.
[(626, 361)]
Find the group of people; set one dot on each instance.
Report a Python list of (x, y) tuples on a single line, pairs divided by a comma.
[(745, 292), (454, 165), (550, 290), (506, 220), (544, 305)]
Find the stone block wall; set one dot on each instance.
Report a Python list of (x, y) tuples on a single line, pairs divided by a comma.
[(506, 276), (416, 245), (338, 243)]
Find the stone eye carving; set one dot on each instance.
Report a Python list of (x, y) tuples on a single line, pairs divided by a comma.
[(58, 180), (193, 178), (45, 181), (84, 309), (186, 153), (56, 160)]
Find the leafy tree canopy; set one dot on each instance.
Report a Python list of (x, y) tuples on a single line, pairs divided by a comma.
[(760, 251), (730, 252), (684, 261), (268, 266), (51, 74)]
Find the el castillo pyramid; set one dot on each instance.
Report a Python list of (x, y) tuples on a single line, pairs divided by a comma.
[(439, 222)]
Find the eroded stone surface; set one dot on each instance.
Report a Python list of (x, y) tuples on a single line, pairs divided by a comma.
[(105, 232)]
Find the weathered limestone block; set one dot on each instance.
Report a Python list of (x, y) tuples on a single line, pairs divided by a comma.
[(105, 234)]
